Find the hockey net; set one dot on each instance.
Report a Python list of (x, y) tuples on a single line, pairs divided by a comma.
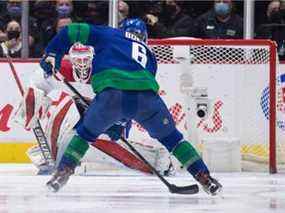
[(239, 83)]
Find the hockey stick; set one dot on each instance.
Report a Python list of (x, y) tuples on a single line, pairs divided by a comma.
[(37, 130), (190, 189)]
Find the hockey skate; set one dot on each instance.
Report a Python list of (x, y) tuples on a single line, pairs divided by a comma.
[(209, 184), (59, 179)]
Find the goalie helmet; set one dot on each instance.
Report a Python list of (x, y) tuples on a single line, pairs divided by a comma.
[(81, 58), (135, 26)]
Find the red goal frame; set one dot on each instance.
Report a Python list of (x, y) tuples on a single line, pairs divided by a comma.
[(272, 77)]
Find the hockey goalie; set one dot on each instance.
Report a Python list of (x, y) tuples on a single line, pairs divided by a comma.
[(50, 102)]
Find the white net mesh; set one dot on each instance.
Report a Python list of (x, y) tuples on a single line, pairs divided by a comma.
[(237, 78), (215, 54)]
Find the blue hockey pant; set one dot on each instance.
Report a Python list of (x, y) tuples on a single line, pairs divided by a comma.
[(145, 107)]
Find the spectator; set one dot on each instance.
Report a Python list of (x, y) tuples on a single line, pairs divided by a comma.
[(64, 8), (62, 22), (3, 35), (172, 22), (45, 14), (42, 9), (13, 13), (274, 29), (123, 9), (14, 8), (220, 22), (273, 12), (96, 13), (13, 45)]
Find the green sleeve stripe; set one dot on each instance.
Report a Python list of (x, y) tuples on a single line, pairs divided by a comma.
[(78, 32)]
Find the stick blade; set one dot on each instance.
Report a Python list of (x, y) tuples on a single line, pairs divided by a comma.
[(191, 189)]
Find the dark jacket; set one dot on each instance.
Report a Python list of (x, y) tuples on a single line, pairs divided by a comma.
[(208, 26), (180, 25), (275, 32)]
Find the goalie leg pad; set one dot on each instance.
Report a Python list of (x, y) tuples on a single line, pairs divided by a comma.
[(35, 155), (62, 120), (34, 106)]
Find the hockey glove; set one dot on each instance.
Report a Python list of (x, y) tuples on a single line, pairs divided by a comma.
[(119, 129), (49, 63)]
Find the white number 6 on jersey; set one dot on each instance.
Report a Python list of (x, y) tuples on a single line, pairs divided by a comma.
[(139, 54)]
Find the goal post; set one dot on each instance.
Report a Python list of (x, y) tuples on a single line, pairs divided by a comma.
[(241, 76)]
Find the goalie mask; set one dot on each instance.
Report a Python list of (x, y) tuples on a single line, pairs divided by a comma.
[(81, 58)]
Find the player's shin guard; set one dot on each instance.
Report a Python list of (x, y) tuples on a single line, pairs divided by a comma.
[(190, 159), (70, 159)]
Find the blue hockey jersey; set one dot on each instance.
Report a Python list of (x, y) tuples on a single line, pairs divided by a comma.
[(121, 61)]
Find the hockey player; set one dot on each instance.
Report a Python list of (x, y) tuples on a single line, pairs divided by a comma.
[(76, 67), (123, 78), (40, 99)]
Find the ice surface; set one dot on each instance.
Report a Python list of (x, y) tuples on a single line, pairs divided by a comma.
[(109, 192)]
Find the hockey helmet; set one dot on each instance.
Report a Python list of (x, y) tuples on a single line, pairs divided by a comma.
[(135, 26)]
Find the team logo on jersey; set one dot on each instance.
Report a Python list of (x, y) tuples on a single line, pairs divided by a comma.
[(280, 102)]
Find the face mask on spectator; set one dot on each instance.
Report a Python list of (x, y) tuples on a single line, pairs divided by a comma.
[(64, 10), (15, 10), (222, 9), (11, 34)]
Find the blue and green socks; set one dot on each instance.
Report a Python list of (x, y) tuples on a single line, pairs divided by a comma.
[(74, 152), (189, 158)]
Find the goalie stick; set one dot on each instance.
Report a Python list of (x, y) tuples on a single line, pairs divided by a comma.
[(190, 189), (37, 130)]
